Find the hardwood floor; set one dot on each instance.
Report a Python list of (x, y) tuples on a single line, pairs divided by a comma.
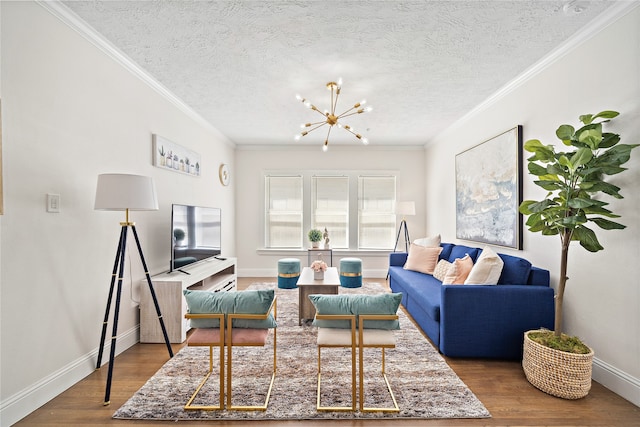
[(500, 385)]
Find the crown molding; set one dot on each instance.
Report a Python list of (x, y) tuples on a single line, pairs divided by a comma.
[(608, 17), (73, 21), (318, 148)]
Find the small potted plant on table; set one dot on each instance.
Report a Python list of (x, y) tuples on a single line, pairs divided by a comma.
[(554, 362), (315, 236)]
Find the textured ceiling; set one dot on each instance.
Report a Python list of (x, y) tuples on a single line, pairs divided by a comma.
[(422, 65)]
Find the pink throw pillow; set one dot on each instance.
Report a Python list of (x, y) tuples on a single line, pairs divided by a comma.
[(422, 259), (458, 271)]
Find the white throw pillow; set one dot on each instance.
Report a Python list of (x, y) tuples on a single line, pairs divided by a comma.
[(429, 242), (486, 270)]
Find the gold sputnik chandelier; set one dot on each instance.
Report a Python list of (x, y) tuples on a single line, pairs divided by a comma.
[(330, 117)]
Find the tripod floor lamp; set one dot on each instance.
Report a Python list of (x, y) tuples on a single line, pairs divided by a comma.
[(124, 192), (404, 209)]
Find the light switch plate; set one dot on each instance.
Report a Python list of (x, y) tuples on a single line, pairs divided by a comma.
[(53, 203)]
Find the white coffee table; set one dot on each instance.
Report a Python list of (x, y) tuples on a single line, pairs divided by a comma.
[(308, 286)]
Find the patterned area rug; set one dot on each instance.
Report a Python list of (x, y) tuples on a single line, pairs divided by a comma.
[(423, 384)]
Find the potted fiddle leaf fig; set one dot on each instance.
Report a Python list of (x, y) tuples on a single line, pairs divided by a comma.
[(577, 191)]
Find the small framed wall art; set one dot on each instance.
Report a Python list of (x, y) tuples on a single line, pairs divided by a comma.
[(174, 157), (489, 191)]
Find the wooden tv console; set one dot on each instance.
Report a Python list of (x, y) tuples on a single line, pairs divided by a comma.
[(208, 275)]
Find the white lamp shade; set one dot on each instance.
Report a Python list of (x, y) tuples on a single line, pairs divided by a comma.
[(119, 192), (405, 208)]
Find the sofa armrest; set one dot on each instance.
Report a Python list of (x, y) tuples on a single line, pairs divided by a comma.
[(538, 276), (490, 321), (397, 259)]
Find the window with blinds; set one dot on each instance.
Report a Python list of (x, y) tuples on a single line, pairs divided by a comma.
[(330, 208), (376, 217), (284, 211)]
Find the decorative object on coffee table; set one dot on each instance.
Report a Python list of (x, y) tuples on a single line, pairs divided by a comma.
[(576, 189), (319, 267)]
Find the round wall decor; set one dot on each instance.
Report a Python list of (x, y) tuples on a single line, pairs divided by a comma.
[(223, 173)]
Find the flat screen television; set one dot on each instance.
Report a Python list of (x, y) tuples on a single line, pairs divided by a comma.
[(195, 234)]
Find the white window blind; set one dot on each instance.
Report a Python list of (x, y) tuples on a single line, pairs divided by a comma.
[(330, 208), (284, 213), (376, 218)]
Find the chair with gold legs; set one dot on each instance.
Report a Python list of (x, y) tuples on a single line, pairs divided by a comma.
[(208, 337), (375, 317), (337, 338), (358, 322), (375, 338), (231, 319), (240, 337)]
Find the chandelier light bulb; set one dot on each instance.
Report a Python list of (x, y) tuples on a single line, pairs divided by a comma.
[(325, 147), (366, 110), (297, 137), (298, 97), (365, 141)]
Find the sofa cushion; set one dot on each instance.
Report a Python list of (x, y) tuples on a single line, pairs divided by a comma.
[(458, 271), (350, 304), (441, 269), (486, 270), (446, 250), (422, 259), (429, 242), (459, 251), (238, 302), (418, 289), (515, 271)]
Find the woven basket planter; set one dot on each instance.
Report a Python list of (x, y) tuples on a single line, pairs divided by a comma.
[(558, 373)]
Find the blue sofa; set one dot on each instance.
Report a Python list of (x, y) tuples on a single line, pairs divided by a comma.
[(480, 321)]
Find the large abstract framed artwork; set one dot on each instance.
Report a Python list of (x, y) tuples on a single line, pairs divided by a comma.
[(489, 191)]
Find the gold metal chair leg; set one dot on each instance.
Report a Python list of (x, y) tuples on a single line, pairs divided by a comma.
[(262, 407), (363, 408), (319, 407), (189, 406)]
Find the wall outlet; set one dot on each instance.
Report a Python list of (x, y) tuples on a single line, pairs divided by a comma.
[(53, 203)]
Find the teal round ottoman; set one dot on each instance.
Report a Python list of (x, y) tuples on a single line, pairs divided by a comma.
[(288, 273), (351, 272)]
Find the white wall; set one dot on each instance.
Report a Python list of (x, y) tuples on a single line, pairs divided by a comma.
[(602, 300), (250, 167), (70, 112)]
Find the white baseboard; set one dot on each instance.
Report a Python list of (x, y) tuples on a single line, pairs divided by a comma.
[(272, 272), (617, 381), (21, 404)]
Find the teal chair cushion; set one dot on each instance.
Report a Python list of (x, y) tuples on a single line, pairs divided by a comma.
[(231, 302), (386, 303)]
